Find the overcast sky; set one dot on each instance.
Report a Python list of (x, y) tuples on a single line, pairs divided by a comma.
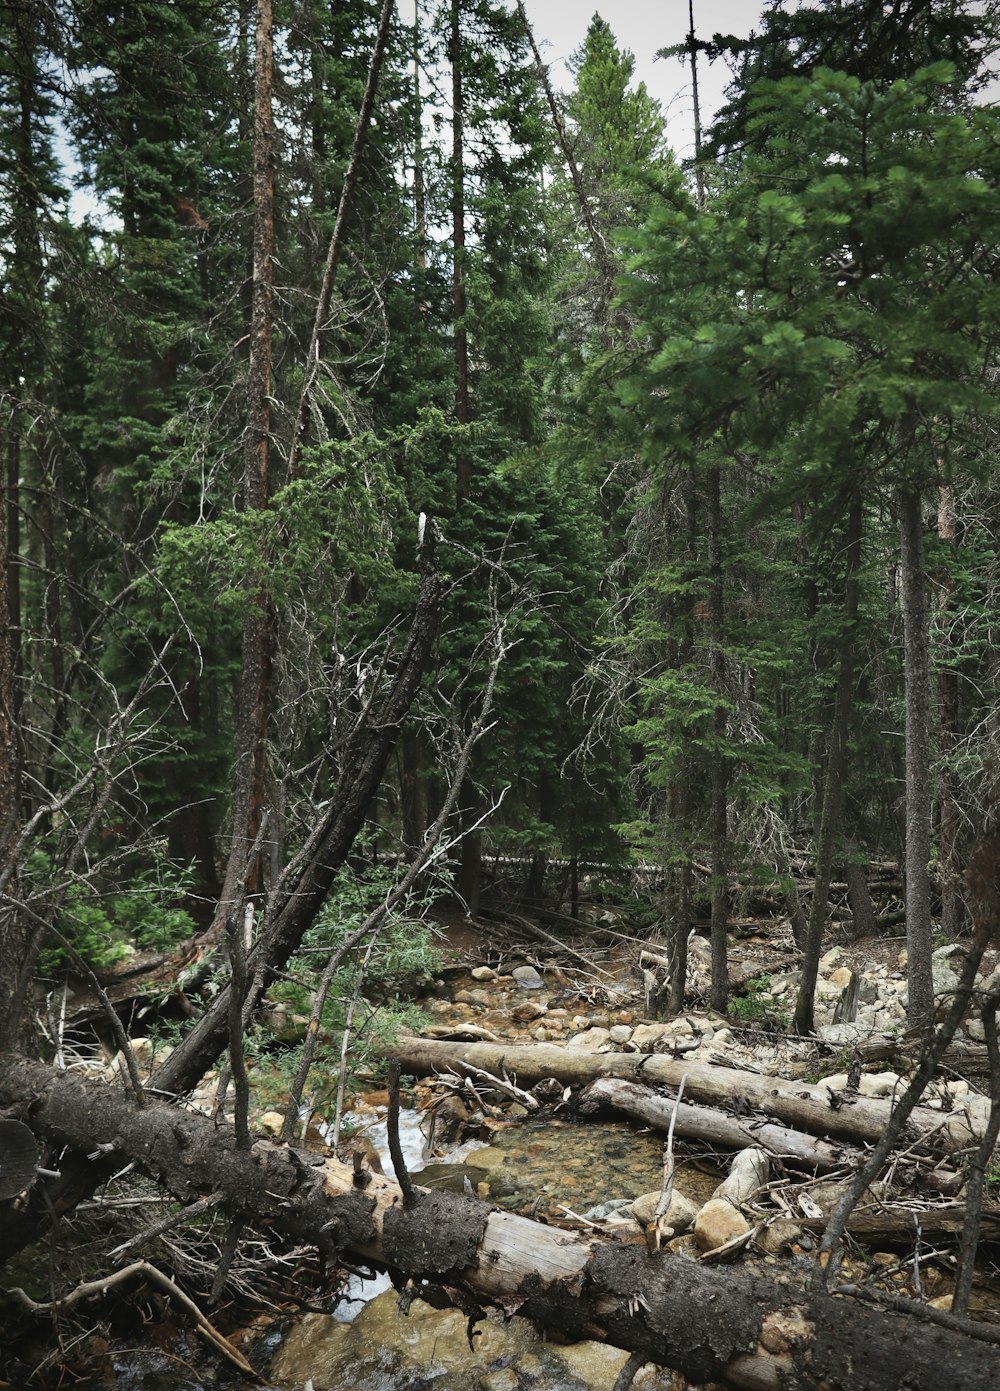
[(643, 26)]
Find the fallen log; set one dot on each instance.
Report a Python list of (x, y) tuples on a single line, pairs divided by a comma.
[(714, 1127), (798, 1105), (733, 1327), (897, 1226)]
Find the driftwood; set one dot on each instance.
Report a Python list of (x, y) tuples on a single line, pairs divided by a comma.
[(714, 1127), (734, 1328), (798, 1105)]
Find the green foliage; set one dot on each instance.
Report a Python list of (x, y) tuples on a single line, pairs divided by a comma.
[(755, 1006), (105, 928)]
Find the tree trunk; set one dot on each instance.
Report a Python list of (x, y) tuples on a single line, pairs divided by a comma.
[(463, 476), (860, 898), (713, 1127), (836, 775), (798, 1105), (949, 847), (719, 811), (16, 938), (917, 680), (364, 760), (243, 876), (731, 1327)]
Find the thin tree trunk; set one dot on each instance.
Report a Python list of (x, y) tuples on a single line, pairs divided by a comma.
[(860, 898), (836, 775), (949, 852), (699, 173), (335, 249), (598, 244), (917, 685), (463, 474), (719, 812), (243, 875)]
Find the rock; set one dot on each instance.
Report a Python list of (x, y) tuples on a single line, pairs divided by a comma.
[(829, 959), (878, 1083), (718, 1222), (529, 1011), (947, 952), (483, 973), (481, 999), (841, 977), (843, 1034), (429, 1347), (592, 1041), (614, 1207), (527, 978), (776, 1238), (721, 1037), (648, 1037), (679, 1216), (620, 1033), (902, 960), (827, 1194), (271, 1122), (749, 1171)]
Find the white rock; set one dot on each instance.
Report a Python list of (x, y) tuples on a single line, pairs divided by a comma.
[(646, 1037), (842, 1034), (620, 1033), (749, 1171), (592, 1040), (878, 1084)]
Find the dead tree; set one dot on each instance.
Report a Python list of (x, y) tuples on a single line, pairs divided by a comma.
[(731, 1327)]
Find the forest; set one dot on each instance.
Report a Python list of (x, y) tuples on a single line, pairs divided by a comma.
[(445, 534)]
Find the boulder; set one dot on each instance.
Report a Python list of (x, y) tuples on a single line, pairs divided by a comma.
[(592, 1041), (679, 1216), (527, 978), (718, 1222), (749, 1171)]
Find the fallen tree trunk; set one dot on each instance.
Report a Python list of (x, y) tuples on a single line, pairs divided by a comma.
[(856, 1119), (714, 1127), (897, 1226), (730, 1327)]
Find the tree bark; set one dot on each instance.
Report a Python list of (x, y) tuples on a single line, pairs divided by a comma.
[(859, 1120), (949, 843), (831, 821), (719, 791), (731, 1327), (713, 1127), (243, 874), (917, 681), (463, 476)]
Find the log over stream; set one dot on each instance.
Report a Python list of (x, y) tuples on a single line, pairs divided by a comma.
[(732, 1327)]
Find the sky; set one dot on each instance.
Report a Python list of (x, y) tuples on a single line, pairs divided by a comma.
[(642, 27)]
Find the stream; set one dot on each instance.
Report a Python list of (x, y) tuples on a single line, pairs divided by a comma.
[(556, 1168)]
